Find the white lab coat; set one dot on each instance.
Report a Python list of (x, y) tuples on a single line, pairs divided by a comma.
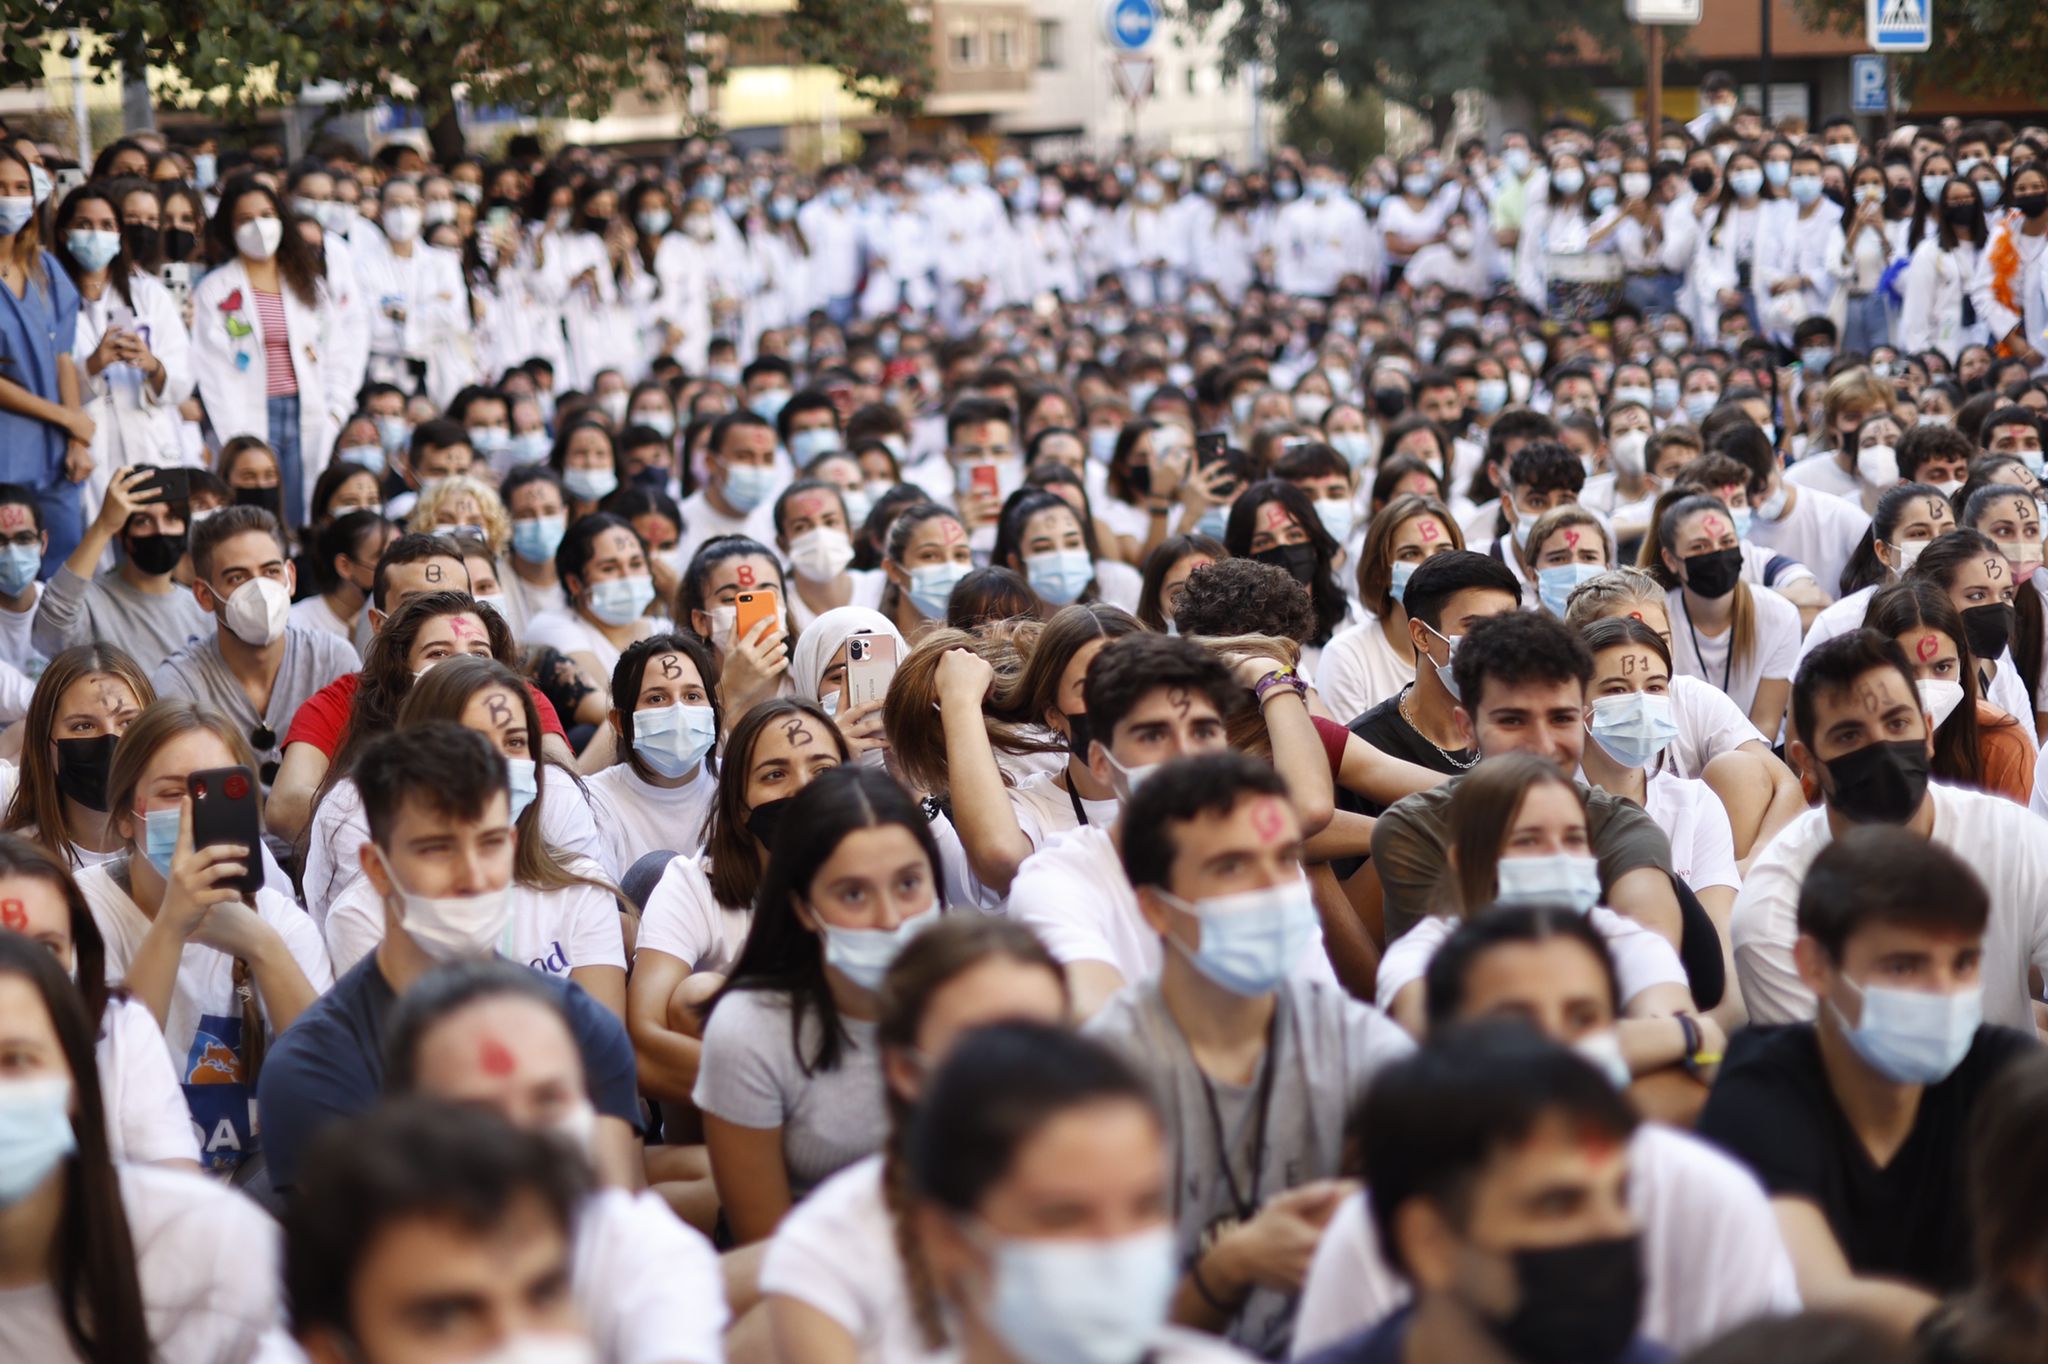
[(1791, 247), (2029, 287), (678, 295), (427, 288), (1931, 312), (134, 425), (231, 372)]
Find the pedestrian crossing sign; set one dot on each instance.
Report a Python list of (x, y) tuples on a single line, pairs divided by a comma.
[(1901, 25)]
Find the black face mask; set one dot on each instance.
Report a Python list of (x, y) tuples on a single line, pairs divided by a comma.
[(266, 498), (1714, 574), (1701, 180), (82, 769), (179, 244), (594, 223), (143, 242), (2033, 205), (1989, 629), (1574, 1304), (1298, 560), (155, 554), (1389, 402), (1879, 783), (766, 819), (1960, 215), (1078, 733), (1840, 197), (653, 478), (1139, 477), (1898, 200)]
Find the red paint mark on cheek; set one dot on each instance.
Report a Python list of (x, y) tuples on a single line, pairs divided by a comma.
[(1924, 650), (1429, 531), (1267, 819), (14, 915), (495, 1057)]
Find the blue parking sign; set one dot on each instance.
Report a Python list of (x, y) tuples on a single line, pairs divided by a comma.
[(1869, 85), (1901, 25)]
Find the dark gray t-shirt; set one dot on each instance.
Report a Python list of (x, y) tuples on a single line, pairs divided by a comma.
[(1326, 1047)]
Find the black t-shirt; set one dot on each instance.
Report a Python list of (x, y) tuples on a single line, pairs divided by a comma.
[(1385, 728), (1773, 1109), (330, 1063)]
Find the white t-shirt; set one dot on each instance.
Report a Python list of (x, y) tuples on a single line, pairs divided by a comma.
[(1713, 1256), (567, 631), (1822, 472), (1360, 669), (1045, 808), (203, 1029), (340, 828), (1119, 584), (686, 921), (207, 1260), (836, 1252), (1773, 654), (1073, 893), (1641, 958), (1709, 724), (2006, 846), (1838, 618), (552, 931), (647, 1282), (868, 584), (146, 1115), (15, 627), (635, 817), (702, 521), (1821, 531), (1693, 818), (314, 613)]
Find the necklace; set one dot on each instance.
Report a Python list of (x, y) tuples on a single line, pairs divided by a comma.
[(1461, 764)]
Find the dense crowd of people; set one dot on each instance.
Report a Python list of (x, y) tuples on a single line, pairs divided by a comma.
[(669, 759)]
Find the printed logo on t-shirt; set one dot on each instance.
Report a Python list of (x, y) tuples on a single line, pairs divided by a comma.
[(555, 963), (216, 1083)]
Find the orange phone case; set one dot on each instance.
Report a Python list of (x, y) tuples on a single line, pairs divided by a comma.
[(751, 608)]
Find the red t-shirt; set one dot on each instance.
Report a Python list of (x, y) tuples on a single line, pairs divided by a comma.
[(1333, 735), (324, 716)]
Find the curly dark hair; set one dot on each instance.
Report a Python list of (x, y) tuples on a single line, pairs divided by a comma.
[(1232, 596)]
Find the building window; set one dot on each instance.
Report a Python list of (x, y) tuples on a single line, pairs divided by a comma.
[(1002, 47), (1049, 44), (963, 46)]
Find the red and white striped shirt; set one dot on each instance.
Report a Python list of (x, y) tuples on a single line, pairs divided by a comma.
[(281, 379)]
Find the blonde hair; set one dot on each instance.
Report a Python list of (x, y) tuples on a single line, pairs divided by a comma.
[(1615, 592), (1857, 385), (1246, 727), (497, 523)]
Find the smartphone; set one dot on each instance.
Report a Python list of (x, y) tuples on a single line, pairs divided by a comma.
[(982, 478), (175, 484), (500, 216), (66, 180), (177, 277), (1211, 447), (751, 608), (224, 811), (870, 667)]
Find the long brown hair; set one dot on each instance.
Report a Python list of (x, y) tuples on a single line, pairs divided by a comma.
[(38, 806), (735, 857), (159, 723), (93, 1274), (1922, 604), (297, 266), (927, 964), (1672, 507), (917, 741), (29, 241), (1376, 555), (19, 857), (1481, 812), (443, 694)]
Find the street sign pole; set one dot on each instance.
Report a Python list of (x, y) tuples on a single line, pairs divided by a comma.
[(1653, 114), (1654, 15), (1129, 26)]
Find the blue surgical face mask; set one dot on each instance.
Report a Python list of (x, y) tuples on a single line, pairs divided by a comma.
[(674, 739), (1567, 879), (805, 446), (656, 420), (1524, 523), (1251, 940), (590, 485), (1060, 576), (15, 213), (35, 1133), (1214, 522), (1102, 443), (931, 586), (160, 838), (19, 565), (1490, 396), (92, 250), (863, 955), (768, 403), (1664, 394), (525, 783), (528, 447), (1353, 445), (1633, 728), (1443, 669), (747, 485), (536, 540), (1913, 1037), (1744, 518), (1337, 516), (1399, 572), (1071, 1300), (1555, 585), (619, 601), (1698, 405), (369, 457)]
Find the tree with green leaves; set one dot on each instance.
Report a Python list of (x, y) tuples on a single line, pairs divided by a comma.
[(1981, 47), (549, 57), (1418, 52)]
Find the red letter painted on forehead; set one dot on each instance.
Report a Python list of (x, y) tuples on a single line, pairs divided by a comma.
[(495, 1057)]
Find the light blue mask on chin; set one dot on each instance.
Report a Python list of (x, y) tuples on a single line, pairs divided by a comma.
[(160, 839)]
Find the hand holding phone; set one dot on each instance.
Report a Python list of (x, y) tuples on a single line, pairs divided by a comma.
[(753, 606), (870, 667), (224, 810)]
